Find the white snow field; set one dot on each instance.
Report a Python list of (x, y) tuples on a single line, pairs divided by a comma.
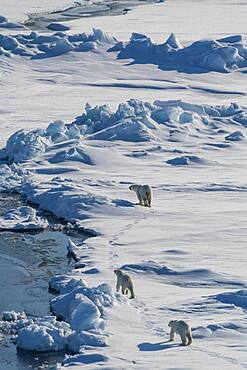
[(157, 97)]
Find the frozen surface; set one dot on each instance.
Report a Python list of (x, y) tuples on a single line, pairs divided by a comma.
[(171, 114)]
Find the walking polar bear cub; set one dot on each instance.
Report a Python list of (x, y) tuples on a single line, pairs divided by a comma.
[(183, 329), (144, 194), (125, 283)]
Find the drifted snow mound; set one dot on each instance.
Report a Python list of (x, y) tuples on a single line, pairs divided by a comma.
[(38, 46), (192, 278), (237, 298), (22, 218), (220, 330), (64, 201), (235, 136), (4, 23), (57, 27), (223, 55), (125, 131), (187, 160), (76, 154), (44, 337), (80, 359)]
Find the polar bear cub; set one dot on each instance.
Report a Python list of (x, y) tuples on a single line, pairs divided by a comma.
[(144, 194), (125, 283), (183, 329)]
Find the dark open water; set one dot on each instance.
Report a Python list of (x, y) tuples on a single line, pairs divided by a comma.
[(27, 261)]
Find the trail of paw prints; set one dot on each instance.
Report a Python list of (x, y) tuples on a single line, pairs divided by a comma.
[(229, 359), (149, 318), (114, 242)]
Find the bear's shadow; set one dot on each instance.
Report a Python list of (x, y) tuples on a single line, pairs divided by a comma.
[(156, 346)]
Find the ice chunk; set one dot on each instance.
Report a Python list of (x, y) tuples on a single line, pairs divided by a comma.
[(57, 27), (86, 315), (43, 337), (63, 283), (13, 316), (22, 218), (56, 127), (80, 339)]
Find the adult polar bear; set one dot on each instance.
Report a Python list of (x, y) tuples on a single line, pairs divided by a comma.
[(144, 194), (125, 283), (183, 329)]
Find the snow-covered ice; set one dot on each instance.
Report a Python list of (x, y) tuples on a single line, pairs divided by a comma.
[(88, 111)]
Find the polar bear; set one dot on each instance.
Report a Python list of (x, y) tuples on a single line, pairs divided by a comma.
[(183, 329), (144, 194), (125, 283)]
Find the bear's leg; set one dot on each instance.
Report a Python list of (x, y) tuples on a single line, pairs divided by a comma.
[(140, 199), (117, 287), (123, 289), (132, 295), (172, 335), (183, 339), (145, 201), (189, 337)]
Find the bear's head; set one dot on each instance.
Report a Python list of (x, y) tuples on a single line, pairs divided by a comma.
[(171, 323)]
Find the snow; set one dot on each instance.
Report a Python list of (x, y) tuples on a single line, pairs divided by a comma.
[(80, 123), (22, 218)]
